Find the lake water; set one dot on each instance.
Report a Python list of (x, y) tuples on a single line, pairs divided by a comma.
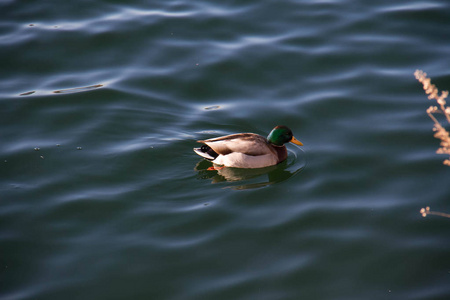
[(102, 197)]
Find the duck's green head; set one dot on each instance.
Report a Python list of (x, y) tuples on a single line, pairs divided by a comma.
[(281, 135)]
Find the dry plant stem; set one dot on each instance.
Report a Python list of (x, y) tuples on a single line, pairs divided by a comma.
[(433, 93), (426, 211)]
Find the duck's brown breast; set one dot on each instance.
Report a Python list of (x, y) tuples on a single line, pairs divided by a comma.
[(281, 153)]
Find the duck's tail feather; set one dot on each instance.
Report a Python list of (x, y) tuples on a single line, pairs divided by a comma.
[(206, 152)]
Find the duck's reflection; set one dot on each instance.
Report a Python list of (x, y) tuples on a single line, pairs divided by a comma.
[(251, 178)]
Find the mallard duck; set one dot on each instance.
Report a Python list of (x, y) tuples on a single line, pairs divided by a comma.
[(248, 150)]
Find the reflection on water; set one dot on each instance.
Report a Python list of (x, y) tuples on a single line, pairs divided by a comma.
[(78, 89), (212, 107), (27, 93), (67, 91), (254, 178)]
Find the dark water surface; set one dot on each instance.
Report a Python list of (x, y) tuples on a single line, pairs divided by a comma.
[(102, 197)]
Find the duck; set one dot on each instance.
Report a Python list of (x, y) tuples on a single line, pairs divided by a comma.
[(248, 150)]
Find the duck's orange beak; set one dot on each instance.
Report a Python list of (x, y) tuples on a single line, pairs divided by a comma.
[(295, 141)]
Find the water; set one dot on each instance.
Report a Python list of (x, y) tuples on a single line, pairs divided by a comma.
[(102, 197)]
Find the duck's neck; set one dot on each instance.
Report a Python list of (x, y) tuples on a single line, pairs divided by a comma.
[(281, 152)]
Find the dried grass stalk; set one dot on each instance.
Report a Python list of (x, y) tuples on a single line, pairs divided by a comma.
[(433, 93), (426, 211)]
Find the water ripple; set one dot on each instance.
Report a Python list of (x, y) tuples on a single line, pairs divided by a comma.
[(102, 104)]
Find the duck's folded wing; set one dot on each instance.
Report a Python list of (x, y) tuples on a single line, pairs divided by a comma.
[(247, 143)]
